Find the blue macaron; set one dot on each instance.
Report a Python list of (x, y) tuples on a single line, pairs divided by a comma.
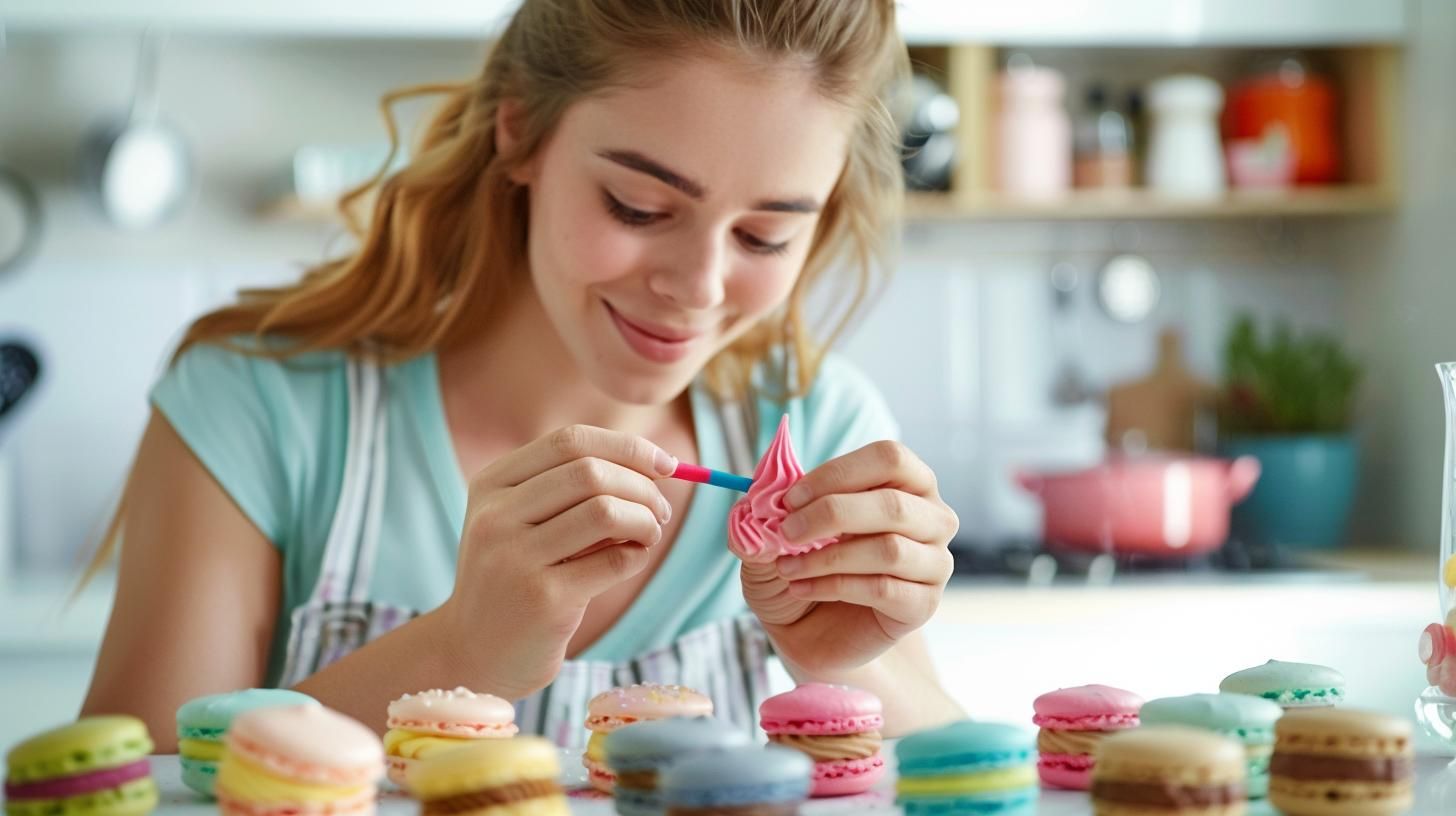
[(737, 778), (1247, 719), (967, 768), (638, 753), (202, 723)]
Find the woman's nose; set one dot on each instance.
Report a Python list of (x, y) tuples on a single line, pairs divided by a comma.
[(691, 275)]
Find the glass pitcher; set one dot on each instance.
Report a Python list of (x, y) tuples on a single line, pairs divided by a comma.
[(1436, 706)]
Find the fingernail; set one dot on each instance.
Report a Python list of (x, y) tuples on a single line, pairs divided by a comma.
[(790, 566), (664, 510), (666, 463), (797, 497), (794, 526)]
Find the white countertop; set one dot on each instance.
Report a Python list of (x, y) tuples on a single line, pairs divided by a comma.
[(1435, 794)]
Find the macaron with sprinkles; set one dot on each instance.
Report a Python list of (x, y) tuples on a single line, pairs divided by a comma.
[(836, 726), (1291, 685), (96, 766), (967, 767), (432, 722), (625, 705), (202, 723)]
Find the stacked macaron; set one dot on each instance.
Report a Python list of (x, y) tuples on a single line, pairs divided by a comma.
[(1291, 685), (1243, 718), (1332, 761), (505, 777), (432, 722), (617, 707), (203, 722), (298, 761), (94, 767), (836, 726), (967, 767), (1169, 769), (749, 781), (637, 754), (1072, 722)]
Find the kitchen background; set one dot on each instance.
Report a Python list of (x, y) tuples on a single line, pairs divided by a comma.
[(1027, 303)]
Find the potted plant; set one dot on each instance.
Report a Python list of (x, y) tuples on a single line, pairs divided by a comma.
[(1288, 400)]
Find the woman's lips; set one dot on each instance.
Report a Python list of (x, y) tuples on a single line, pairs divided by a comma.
[(655, 343)]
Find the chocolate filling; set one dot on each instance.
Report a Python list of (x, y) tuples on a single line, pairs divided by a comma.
[(1162, 794), (1363, 769), (492, 797), (637, 780)]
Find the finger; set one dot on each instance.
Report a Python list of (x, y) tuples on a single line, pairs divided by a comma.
[(903, 601), (599, 518), (869, 513), (885, 554), (879, 464), (578, 442), (563, 487), (602, 569)]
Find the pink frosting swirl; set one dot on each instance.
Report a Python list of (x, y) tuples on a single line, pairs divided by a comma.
[(753, 523)]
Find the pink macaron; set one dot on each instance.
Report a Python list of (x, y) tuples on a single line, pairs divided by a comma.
[(1072, 722), (625, 705), (836, 726)]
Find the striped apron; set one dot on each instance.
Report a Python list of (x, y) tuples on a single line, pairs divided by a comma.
[(727, 659)]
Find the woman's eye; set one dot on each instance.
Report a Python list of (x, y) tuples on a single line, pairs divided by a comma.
[(630, 216), (760, 247)]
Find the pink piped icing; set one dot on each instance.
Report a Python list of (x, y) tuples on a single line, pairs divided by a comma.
[(754, 522)]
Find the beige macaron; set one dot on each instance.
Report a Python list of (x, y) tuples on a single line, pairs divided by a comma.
[(1168, 769), (1341, 762)]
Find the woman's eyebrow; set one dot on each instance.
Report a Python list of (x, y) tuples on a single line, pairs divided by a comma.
[(632, 160)]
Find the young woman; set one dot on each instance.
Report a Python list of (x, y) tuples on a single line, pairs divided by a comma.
[(440, 460)]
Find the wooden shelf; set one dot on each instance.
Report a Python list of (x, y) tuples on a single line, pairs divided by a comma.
[(1142, 204)]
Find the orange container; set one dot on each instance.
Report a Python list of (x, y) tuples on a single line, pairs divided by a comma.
[(1304, 104)]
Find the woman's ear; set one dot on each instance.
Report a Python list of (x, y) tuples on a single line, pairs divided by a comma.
[(508, 125)]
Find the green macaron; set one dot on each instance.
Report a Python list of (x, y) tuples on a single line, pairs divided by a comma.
[(1291, 685), (96, 766), (1242, 717), (202, 723)]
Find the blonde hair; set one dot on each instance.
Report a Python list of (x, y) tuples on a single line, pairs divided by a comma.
[(447, 235)]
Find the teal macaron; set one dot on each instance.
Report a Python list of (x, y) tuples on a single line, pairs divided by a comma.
[(202, 722), (968, 767), (1291, 685), (637, 754), (1242, 717)]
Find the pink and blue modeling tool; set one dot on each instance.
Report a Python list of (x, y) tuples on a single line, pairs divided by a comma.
[(717, 478)]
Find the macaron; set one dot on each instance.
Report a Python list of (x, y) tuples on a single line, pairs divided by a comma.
[(302, 760), (96, 766), (1171, 770), (752, 781), (1072, 721), (1291, 685), (203, 721), (967, 767), (494, 777), (836, 726), (1339, 762), (430, 722), (625, 705), (1245, 719), (637, 754)]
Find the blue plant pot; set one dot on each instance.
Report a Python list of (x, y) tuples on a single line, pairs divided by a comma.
[(1304, 495)]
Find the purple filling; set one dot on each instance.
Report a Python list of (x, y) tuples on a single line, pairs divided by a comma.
[(80, 784)]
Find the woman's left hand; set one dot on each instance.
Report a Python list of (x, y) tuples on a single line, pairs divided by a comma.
[(839, 607)]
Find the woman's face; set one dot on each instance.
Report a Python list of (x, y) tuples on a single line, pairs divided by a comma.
[(667, 218)]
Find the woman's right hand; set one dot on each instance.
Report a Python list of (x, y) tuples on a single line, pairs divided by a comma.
[(548, 527)]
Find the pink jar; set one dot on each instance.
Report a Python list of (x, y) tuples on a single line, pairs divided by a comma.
[(1033, 134)]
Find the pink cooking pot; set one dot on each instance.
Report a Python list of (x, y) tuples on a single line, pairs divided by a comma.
[(1153, 505)]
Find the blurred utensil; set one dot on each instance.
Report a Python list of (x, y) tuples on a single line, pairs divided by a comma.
[(1158, 412), (138, 166)]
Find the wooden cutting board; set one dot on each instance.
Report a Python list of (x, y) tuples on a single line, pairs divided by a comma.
[(1160, 411)]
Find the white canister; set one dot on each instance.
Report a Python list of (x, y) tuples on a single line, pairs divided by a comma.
[(1033, 134), (1185, 156)]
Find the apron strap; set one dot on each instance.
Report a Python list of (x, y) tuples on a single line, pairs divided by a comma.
[(337, 578)]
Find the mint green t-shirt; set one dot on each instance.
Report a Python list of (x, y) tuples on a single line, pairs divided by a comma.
[(273, 435)]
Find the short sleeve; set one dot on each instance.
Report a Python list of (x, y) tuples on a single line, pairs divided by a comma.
[(843, 411), (219, 402)]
